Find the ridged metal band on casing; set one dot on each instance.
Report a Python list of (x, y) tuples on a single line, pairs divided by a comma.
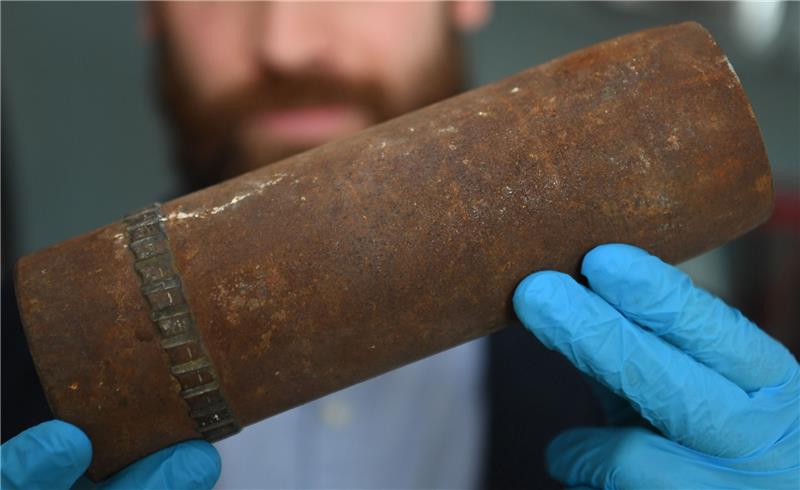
[(172, 316)]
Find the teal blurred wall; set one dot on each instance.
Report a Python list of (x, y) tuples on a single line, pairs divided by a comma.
[(81, 132)]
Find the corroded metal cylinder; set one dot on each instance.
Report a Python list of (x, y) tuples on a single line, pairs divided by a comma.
[(231, 304)]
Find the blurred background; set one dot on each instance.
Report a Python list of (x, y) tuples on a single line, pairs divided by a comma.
[(83, 143)]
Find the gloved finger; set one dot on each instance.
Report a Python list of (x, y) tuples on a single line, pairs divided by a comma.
[(663, 299), (49, 456), (188, 465), (638, 458), (598, 456), (681, 397)]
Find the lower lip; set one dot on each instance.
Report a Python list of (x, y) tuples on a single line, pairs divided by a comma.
[(310, 125)]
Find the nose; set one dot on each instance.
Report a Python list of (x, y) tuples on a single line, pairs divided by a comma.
[(290, 37)]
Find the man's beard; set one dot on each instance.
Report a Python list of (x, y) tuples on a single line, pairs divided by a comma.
[(208, 138)]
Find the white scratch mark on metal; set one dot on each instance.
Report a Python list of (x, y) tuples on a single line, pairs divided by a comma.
[(204, 212), (724, 59)]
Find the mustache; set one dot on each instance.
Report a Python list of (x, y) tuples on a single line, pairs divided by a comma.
[(206, 130), (227, 112)]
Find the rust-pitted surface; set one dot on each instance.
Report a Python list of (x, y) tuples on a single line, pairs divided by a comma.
[(359, 256), (95, 349)]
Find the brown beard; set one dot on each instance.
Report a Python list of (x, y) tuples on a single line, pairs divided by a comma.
[(206, 135)]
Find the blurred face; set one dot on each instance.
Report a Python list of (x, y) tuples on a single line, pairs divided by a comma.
[(246, 84)]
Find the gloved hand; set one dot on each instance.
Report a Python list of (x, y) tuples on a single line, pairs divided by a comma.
[(723, 395), (54, 455)]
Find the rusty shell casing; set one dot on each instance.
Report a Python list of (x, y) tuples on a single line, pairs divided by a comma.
[(234, 303)]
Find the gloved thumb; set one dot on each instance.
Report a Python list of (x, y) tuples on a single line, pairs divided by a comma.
[(188, 465), (49, 456)]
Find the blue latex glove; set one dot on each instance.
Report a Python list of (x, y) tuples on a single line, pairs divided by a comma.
[(54, 455), (723, 395)]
